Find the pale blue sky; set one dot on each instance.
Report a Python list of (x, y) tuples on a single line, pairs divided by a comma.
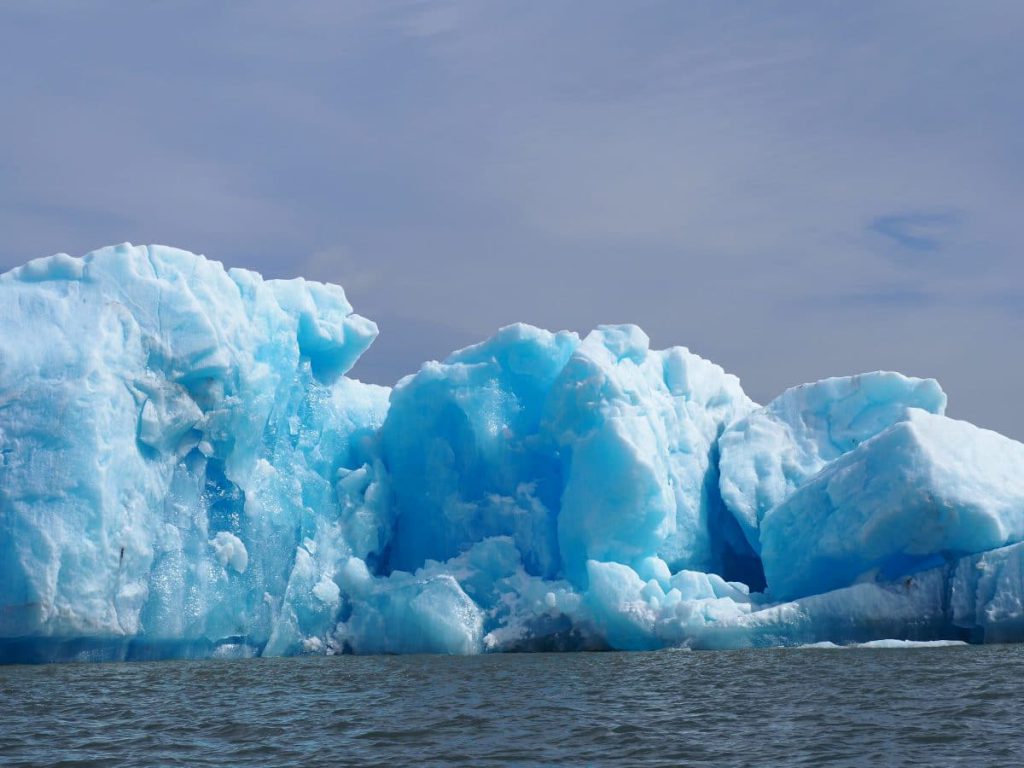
[(794, 190)]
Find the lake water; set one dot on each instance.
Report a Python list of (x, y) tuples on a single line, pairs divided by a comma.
[(857, 707)]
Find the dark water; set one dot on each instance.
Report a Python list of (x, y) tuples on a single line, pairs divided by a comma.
[(941, 706)]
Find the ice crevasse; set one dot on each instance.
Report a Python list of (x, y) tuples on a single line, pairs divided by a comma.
[(186, 470)]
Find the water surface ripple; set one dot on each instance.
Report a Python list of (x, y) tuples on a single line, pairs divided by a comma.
[(851, 707)]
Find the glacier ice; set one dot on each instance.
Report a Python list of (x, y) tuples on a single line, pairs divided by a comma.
[(169, 432), (187, 470), (599, 449), (775, 449), (925, 490)]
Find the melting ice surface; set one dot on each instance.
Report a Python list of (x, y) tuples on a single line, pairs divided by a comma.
[(186, 470)]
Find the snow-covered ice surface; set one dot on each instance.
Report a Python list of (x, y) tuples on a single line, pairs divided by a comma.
[(186, 470)]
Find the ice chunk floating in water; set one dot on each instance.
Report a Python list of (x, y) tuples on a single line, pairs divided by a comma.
[(186, 470)]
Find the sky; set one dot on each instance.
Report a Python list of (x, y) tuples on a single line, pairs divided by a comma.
[(794, 190)]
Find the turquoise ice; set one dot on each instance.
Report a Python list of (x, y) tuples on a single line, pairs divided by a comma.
[(599, 449), (776, 449), (924, 491), (186, 469), (171, 434)]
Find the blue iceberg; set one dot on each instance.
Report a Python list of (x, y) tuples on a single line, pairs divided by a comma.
[(186, 470), (770, 453), (926, 490)]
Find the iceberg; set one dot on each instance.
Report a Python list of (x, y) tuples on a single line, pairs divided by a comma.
[(975, 599), (170, 434), (776, 449), (926, 490), (188, 470)]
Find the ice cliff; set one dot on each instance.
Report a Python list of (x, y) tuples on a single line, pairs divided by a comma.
[(186, 470)]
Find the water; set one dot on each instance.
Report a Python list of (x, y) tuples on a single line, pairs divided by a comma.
[(940, 706)]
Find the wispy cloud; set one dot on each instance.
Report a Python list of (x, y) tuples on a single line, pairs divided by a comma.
[(883, 298), (920, 231)]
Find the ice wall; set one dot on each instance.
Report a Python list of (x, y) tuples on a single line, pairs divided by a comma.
[(185, 470), (170, 433), (599, 449)]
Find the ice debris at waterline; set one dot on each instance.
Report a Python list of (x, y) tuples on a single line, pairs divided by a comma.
[(186, 470)]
